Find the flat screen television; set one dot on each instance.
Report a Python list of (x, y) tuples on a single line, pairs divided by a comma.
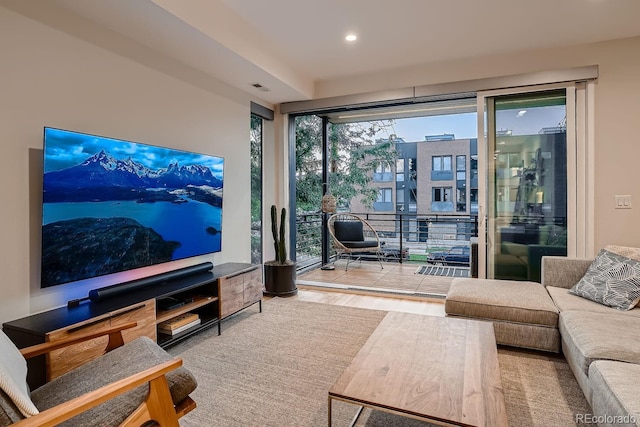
[(111, 206)]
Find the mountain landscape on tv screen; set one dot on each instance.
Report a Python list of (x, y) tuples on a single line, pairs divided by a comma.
[(103, 177), (105, 215)]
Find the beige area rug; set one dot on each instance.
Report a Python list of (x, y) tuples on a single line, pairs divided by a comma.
[(275, 369)]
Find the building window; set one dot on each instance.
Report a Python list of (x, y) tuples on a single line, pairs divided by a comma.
[(383, 167), (441, 168), (441, 163), (400, 170), (441, 200), (384, 195), (400, 200), (461, 183), (473, 199), (461, 199), (442, 194), (384, 202), (383, 172), (413, 201), (413, 170)]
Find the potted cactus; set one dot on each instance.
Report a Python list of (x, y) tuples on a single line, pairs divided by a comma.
[(279, 274)]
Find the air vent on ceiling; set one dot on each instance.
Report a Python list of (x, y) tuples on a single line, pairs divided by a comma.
[(260, 87)]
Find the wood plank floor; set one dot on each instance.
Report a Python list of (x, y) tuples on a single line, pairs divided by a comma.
[(432, 307), (393, 277)]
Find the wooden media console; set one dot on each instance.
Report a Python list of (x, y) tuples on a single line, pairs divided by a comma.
[(212, 296)]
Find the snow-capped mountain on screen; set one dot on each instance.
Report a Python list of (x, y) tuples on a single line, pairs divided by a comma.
[(102, 170)]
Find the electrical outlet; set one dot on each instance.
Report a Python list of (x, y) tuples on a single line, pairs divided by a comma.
[(623, 201)]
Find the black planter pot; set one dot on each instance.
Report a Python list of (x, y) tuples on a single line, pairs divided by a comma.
[(280, 280)]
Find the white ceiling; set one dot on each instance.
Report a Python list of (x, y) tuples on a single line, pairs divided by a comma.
[(289, 45)]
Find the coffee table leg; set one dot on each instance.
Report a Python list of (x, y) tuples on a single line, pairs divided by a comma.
[(355, 419)]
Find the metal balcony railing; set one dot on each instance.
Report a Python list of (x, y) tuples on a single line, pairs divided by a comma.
[(406, 237)]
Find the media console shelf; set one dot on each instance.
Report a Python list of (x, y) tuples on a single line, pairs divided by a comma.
[(213, 296)]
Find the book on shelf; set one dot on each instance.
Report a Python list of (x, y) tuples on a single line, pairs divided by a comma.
[(177, 322), (181, 328)]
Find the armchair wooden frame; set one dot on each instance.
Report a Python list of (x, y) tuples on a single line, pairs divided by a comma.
[(158, 405), (370, 234)]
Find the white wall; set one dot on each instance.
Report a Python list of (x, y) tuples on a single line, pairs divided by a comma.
[(617, 114), (51, 78)]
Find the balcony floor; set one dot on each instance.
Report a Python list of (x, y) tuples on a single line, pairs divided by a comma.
[(367, 276)]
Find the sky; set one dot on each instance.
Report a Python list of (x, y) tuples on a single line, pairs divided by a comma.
[(64, 149), (520, 121), (415, 129)]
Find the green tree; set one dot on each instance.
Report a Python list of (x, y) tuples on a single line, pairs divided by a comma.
[(255, 138), (355, 151)]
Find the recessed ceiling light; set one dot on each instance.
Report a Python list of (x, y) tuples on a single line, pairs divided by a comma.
[(351, 37)]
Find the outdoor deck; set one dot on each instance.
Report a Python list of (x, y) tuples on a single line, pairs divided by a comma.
[(368, 276)]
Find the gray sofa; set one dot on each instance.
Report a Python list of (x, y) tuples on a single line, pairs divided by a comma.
[(601, 344)]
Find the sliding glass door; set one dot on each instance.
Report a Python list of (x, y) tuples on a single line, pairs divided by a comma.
[(510, 168), (530, 200)]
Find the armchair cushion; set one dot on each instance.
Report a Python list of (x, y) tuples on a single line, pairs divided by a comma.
[(612, 280), (9, 412), (349, 231), (364, 244), (13, 376), (120, 363)]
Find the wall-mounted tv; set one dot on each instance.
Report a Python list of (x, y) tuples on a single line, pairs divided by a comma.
[(111, 206)]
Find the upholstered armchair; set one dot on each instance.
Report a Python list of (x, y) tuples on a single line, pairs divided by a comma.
[(132, 384), (353, 236)]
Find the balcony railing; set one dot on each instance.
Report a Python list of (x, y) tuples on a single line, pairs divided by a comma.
[(404, 237)]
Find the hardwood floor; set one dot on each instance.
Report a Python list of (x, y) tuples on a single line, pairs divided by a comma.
[(396, 287), (393, 277), (433, 307)]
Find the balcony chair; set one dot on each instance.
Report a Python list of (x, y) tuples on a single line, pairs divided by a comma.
[(132, 384), (353, 236)]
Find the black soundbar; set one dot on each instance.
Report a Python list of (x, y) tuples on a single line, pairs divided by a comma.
[(96, 295)]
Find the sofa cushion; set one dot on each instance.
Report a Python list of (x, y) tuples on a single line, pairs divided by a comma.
[(589, 336), (513, 301), (612, 280), (566, 301), (563, 272), (629, 252), (614, 392), (120, 363)]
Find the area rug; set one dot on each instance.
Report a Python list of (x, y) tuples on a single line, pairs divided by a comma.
[(275, 369)]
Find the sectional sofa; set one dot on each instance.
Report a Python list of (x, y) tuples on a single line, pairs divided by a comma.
[(601, 344)]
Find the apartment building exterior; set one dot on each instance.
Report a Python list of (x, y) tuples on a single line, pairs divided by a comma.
[(434, 180)]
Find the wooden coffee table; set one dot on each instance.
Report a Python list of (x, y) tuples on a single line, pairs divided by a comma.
[(438, 369)]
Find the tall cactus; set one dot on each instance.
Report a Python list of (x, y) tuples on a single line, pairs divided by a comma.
[(279, 242)]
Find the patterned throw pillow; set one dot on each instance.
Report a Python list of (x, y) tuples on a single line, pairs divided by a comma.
[(612, 280)]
